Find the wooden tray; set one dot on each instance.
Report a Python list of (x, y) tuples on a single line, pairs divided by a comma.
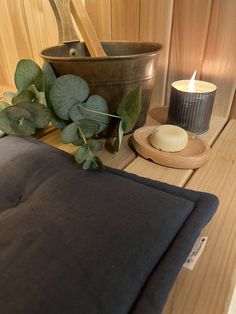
[(193, 156)]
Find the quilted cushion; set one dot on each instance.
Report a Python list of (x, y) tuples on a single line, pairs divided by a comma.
[(75, 241)]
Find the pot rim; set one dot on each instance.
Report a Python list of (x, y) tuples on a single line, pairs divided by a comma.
[(103, 58)]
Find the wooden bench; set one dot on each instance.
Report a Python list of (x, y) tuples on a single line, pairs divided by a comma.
[(208, 288)]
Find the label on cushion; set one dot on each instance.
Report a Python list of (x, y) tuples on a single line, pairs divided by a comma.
[(196, 252)]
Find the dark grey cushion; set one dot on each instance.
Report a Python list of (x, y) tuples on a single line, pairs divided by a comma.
[(75, 241)]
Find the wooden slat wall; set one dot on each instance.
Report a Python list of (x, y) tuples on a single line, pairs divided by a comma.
[(219, 64), (188, 40), (100, 15), (196, 34), (157, 27), (125, 19)]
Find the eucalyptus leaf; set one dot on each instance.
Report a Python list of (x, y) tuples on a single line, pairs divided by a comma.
[(67, 91), (39, 114), (9, 95), (129, 109), (5, 123), (119, 137), (95, 145), (93, 162), (2, 133), (16, 121), (90, 110), (70, 134), (49, 76), (88, 127), (81, 154), (3, 105), (25, 95), (57, 122), (28, 73)]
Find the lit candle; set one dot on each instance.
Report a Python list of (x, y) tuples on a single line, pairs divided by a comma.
[(191, 104)]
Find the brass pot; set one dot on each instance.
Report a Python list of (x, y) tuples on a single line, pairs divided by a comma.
[(127, 65)]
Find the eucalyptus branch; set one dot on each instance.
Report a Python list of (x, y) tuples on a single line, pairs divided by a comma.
[(85, 141)]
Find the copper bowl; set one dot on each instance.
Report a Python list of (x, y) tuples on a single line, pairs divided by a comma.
[(127, 65)]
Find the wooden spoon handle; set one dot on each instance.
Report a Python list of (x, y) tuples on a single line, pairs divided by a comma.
[(86, 29), (61, 9)]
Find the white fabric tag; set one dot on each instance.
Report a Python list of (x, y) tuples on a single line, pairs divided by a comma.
[(196, 252)]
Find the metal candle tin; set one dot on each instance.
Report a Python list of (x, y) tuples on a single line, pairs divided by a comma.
[(191, 110)]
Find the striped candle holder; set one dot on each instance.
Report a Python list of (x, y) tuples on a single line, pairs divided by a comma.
[(191, 110)]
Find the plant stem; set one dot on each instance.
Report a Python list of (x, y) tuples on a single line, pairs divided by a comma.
[(85, 141), (99, 112)]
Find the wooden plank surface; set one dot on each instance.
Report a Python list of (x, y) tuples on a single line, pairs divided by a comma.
[(155, 25), (125, 19), (119, 160), (208, 288), (233, 108), (179, 177)]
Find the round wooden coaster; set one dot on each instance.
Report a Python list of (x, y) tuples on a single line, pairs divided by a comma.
[(193, 156)]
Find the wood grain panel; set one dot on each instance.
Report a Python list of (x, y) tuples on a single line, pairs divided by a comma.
[(33, 10), (219, 64), (208, 288), (8, 41), (99, 12), (4, 74), (155, 25), (233, 108), (188, 40), (50, 24), (125, 19)]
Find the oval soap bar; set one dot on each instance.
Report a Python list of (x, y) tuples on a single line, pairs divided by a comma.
[(169, 138)]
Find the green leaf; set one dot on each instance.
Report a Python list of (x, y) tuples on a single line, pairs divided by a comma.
[(119, 137), (70, 134), (25, 95), (57, 122), (28, 73), (23, 118), (9, 95), (2, 133), (49, 76), (3, 105), (5, 123), (93, 162), (129, 109), (88, 127), (81, 154), (67, 91), (95, 145), (39, 114), (16, 121), (89, 109)]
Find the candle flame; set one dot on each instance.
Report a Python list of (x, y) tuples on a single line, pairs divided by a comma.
[(191, 85)]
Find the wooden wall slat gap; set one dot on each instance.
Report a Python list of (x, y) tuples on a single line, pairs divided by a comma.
[(155, 25), (219, 66)]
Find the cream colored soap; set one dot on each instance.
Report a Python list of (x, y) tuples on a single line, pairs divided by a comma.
[(169, 138)]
